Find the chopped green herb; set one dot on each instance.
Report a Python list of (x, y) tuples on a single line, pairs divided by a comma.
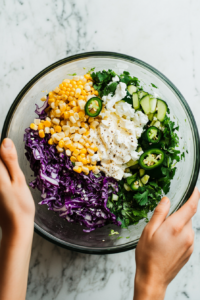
[(153, 85), (74, 74), (128, 237), (91, 70), (120, 237), (112, 232)]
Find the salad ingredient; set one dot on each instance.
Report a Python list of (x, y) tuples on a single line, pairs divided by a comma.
[(162, 109), (93, 107), (151, 159), (152, 104), (63, 117), (136, 102), (145, 179), (145, 103), (117, 142), (141, 172), (132, 89), (76, 197), (110, 99), (152, 135)]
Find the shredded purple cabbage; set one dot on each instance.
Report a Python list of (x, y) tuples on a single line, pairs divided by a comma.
[(76, 197)]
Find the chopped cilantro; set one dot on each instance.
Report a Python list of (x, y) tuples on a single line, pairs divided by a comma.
[(120, 237), (112, 232), (74, 74), (91, 70), (128, 237), (153, 85)]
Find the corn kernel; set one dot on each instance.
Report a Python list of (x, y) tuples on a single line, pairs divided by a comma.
[(33, 126), (96, 93), (72, 148), (85, 170), (52, 131), (66, 115), (72, 119), (68, 152), (91, 168), (68, 108), (81, 104), (82, 155), (77, 169), (56, 121), (87, 76), (72, 103), (73, 159), (40, 126), (41, 133), (83, 151), (76, 109), (46, 130), (78, 163), (43, 98), (59, 149), (79, 146), (76, 116), (61, 144), (50, 142), (71, 113), (87, 133), (83, 160), (57, 90), (47, 123), (58, 128), (82, 130)]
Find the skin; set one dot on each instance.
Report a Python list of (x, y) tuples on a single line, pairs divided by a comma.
[(165, 245), (164, 248), (16, 220)]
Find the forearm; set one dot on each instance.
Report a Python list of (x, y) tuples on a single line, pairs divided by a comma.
[(14, 263), (148, 291)]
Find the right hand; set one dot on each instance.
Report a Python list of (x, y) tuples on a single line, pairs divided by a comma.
[(164, 248)]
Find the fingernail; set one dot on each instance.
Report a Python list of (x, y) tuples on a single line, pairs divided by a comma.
[(164, 200), (7, 143)]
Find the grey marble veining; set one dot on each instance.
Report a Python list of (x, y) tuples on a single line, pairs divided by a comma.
[(35, 34)]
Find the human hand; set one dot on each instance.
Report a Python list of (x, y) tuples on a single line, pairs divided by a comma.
[(16, 219), (16, 203), (164, 248)]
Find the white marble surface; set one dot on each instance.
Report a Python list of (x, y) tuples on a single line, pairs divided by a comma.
[(37, 33)]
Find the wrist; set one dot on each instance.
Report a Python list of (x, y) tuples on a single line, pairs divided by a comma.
[(148, 289), (18, 234)]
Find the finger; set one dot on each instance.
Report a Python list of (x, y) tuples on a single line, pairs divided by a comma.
[(187, 211), (10, 160), (159, 215), (4, 176)]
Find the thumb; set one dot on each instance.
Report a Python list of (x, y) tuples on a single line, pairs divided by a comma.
[(160, 214), (9, 157)]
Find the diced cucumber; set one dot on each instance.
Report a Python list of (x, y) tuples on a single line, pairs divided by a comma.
[(141, 172), (132, 178), (127, 187), (157, 124), (114, 197), (145, 179), (136, 102), (141, 94), (153, 103), (139, 149), (140, 183), (131, 163), (145, 103), (132, 89), (162, 109), (150, 117)]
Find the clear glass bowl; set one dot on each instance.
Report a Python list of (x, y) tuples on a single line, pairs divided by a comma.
[(47, 223)]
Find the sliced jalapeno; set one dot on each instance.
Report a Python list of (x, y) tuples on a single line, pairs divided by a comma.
[(152, 135), (151, 159), (93, 107)]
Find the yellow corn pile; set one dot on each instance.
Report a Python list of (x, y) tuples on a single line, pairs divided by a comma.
[(68, 124)]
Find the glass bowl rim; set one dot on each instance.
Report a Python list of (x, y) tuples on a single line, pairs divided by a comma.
[(108, 54)]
